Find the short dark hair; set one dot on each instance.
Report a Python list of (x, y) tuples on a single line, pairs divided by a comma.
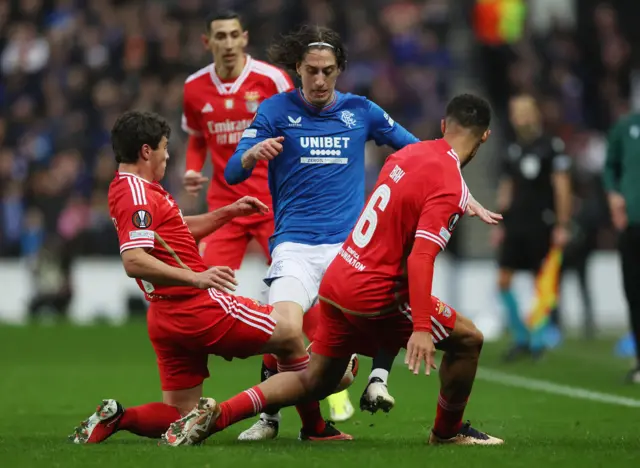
[(470, 111), (223, 15), (292, 48), (132, 130)]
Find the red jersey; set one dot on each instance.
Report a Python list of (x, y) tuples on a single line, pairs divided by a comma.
[(420, 193), (220, 111), (146, 216)]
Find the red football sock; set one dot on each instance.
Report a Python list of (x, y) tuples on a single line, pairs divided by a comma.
[(242, 406), (448, 417), (150, 420), (309, 412), (269, 366), (310, 321)]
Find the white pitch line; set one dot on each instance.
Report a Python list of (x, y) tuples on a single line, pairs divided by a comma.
[(528, 383)]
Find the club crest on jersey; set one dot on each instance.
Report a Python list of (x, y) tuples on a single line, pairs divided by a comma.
[(444, 309), (252, 100), (453, 221), (348, 119), (141, 219)]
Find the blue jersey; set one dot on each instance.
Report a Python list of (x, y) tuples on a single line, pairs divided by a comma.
[(317, 182)]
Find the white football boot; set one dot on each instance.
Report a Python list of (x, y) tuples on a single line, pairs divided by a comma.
[(263, 429), (376, 397)]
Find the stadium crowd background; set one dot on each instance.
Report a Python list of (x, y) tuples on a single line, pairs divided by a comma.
[(69, 67)]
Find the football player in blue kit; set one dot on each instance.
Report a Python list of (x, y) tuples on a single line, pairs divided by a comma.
[(314, 139)]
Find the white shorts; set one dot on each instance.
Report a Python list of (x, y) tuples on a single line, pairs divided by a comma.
[(300, 268)]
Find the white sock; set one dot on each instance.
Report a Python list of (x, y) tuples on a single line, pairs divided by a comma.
[(271, 417), (382, 374)]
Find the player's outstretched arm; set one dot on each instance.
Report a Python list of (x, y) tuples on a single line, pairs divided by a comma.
[(385, 131), (204, 224), (140, 265)]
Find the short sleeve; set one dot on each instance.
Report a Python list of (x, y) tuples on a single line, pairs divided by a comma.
[(191, 116), (561, 160), (136, 215), (440, 215)]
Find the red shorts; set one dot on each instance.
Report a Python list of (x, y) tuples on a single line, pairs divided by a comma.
[(185, 332), (227, 245), (341, 334)]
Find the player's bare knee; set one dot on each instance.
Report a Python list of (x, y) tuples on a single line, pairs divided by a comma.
[(472, 339), (287, 340), (288, 312)]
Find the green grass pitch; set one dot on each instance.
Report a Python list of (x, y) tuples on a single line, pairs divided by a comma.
[(53, 377)]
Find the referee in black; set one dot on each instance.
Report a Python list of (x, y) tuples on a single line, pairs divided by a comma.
[(534, 195), (622, 183)]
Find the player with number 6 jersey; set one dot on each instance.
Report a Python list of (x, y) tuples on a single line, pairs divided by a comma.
[(423, 190)]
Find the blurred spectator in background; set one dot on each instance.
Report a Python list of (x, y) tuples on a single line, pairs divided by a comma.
[(69, 67)]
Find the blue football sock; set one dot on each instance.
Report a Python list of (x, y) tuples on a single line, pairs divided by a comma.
[(517, 328)]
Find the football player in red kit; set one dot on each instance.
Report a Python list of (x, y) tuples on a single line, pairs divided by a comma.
[(376, 294), (190, 315), (220, 102)]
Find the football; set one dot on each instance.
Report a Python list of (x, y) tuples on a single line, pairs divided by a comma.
[(349, 375)]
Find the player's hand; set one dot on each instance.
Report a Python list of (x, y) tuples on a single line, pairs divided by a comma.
[(265, 150), (476, 209), (420, 348), (618, 209), (221, 278), (193, 182), (247, 206)]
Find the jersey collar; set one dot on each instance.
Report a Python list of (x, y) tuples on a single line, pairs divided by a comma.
[(315, 108), (231, 88), (130, 174), (446, 148)]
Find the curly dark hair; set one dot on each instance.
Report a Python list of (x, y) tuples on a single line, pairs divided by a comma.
[(470, 111), (292, 48), (132, 130)]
